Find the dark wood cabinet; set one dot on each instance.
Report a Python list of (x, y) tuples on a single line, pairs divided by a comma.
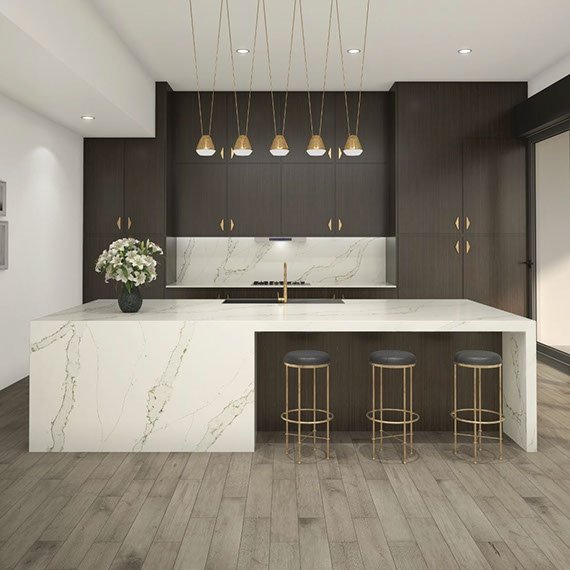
[(298, 126), (103, 174), (308, 200), (200, 200), (363, 203), (496, 272), (430, 267), (185, 125), (494, 186), (254, 200), (375, 126)]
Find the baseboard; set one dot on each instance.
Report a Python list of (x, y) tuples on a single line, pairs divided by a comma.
[(556, 358)]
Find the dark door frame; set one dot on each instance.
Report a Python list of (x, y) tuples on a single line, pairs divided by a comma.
[(551, 353)]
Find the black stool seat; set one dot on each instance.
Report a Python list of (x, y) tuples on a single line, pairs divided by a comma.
[(307, 358), (477, 358), (392, 358)]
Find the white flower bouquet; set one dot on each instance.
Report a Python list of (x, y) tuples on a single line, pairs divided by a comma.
[(130, 262)]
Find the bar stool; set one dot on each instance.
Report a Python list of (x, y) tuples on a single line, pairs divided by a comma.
[(477, 360), (310, 360), (399, 360)]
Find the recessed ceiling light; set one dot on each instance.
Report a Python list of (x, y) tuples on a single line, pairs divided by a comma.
[(242, 50), (88, 117), (464, 51), (353, 50)]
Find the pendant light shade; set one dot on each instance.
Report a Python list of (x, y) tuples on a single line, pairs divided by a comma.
[(279, 146), (352, 146), (316, 146), (242, 146), (206, 146)]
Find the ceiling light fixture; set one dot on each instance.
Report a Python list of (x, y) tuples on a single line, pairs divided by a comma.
[(464, 51), (88, 117), (353, 50), (242, 146), (353, 147), (242, 51), (205, 146)]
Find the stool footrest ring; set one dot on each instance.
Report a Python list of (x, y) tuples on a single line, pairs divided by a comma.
[(414, 416), (328, 416), (455, 416)]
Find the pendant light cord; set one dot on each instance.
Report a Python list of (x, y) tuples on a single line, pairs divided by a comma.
[(215, 67), (269, 65), (252, 67), (306, 66), (326, 66), (342, 65), (196, 69), (232, 60), (362, 67), (289, 66)]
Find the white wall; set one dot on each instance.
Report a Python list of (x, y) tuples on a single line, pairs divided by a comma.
[(42, 164), (550, 75), (552, 240)]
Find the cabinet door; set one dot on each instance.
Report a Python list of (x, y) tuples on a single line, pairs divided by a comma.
[(103, 186), (298, 126), (145, 196), (430, 267), (200, 200), (363, 200), (429, 173), (308, 200), (254, 200), (494, 186), (185, 124), (496, 273), (376, 126), (260, 131)]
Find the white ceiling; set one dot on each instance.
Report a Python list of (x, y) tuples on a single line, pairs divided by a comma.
[(408, 40), (67, 58)]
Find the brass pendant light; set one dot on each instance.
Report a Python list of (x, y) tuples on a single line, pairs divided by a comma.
[(352, 147), (316, 146), (279, 146), (242, 146), (205, 145)]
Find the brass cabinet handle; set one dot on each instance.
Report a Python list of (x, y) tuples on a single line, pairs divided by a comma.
[(119, 222), (231, 225), (129, 223), (231, 153), (467, 247), (467, 222), (457, 222), (330, 152), (457, 246), (339, 152), (330, 225), (222, 224), (222, 153), (339, 224)]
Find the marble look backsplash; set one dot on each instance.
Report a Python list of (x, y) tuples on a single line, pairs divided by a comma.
[(323, 262)]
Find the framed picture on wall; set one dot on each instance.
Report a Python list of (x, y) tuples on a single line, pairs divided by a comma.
[(3, 245), (2, 198)]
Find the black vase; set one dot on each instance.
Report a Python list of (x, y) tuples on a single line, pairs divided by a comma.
[(130, 302)]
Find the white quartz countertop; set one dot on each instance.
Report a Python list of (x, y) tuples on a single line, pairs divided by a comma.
[(377, 314)]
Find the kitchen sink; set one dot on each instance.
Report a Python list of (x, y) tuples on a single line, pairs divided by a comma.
[(289, 302)]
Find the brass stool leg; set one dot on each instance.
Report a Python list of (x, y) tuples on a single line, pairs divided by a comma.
[(373, 415), (405, 419), (411, 412), (474, 415), (328, 421), (314, 408), (286, 410), (501, 412), (455, 409), (381, 408), (299, 415), (480, 414)]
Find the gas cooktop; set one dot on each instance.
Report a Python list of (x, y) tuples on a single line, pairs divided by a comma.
[(279, 283)]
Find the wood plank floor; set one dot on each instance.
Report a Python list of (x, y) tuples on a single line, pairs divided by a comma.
[(261, 510)]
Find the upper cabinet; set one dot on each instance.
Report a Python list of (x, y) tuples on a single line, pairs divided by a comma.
[(376, 126), (185, 125)]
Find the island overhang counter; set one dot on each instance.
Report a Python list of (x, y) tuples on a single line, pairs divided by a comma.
[(180, 374)]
